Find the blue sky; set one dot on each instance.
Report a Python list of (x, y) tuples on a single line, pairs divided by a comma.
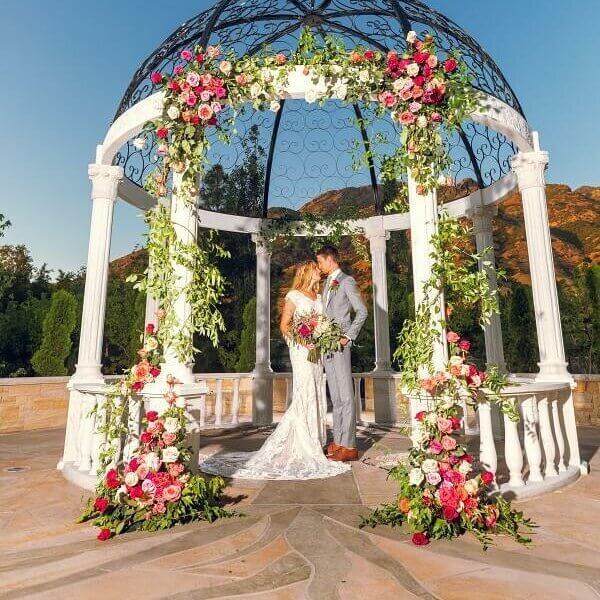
[(64, 66)]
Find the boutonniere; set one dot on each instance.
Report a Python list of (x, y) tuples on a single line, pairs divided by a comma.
[(333, 288)]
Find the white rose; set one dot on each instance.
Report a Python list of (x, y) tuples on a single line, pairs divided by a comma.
[(465, 467), (225, 67), (471, 486), (415, 477), (430, 465), (310, 96), (364, 76), (411, 37), (431, 418), (173, 112), (139, 143), (274, 106), (171, 425), (180, 402), (412, 69), (341, 91), (131, 478), (255, 90), (456, 360), (422, 121), (122, 495), (170, 454), (150, 344), (148, 487), (267, 76), (151, 460)]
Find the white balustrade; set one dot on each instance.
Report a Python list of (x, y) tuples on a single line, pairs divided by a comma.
[(358, 398)]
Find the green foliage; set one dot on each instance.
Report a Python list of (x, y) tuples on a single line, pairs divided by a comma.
[(522, 351), (247, 354), (58, 326)]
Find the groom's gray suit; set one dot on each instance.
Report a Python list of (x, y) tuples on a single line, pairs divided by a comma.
[(339, 304)]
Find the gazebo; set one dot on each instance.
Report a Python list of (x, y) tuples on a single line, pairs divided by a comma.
[(496, 149)]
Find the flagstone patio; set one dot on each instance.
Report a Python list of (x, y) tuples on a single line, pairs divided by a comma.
[(295, 540)]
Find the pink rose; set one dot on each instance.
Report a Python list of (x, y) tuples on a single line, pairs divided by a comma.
[(186, 55), (448, 443), (415, 107), (159, 508), (193, 79), (433, 478), (436, 117), (205, 95), (435, 447), (241, 79), (142, 472), (205, 112), (452, 337), (171, 493), (464, 345), (176, 469), (191, 99), (168, 438), (387, 99), (450, 65), (280, 58), (407, 118), (156, 77), (444, 425), (221, 92), (213, 51), (178, 70), (406, 94), (304, 330), (421, 415), (148, 487), (449, 496)]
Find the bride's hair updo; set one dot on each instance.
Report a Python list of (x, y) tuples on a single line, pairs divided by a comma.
[(303, 277)]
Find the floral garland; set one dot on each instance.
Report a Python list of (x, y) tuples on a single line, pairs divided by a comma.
[(154, 489), (441, 495)]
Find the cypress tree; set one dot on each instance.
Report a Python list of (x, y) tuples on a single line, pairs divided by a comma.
[(59, 323), (247, 358)]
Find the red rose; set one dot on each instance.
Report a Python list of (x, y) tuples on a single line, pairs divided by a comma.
[(137, 386), (154, 371), (145, 438), (212, 121), (421, 415), (150, 328), (162, 132), (369, 55), (456, 424), (156, 77), (151, 415), (420, 539), (173, 86), (200, 58), (420, 57), (466, 457), (449, 513), (419, 81), (112, 479), (450, 65), (104, 534), (487, 477), (195, 120), (134, 463), (472, 371), (135, 491), (464, 345), (101, 504)]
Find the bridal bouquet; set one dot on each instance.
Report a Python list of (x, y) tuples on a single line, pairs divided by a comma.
[(318, 333)]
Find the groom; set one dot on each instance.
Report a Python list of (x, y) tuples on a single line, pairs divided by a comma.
[(341, 297)]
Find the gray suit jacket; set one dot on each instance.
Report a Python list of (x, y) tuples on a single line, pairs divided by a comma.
[(342, 301)]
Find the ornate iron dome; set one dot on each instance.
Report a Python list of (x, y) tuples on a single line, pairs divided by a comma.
[(479, 154)]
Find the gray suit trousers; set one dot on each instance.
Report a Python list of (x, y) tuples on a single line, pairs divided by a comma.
[(338, 369)]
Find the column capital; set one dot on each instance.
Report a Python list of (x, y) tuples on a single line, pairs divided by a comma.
[(482, 217), (529, 168), (261, 243), (105, 180), (377, 239)]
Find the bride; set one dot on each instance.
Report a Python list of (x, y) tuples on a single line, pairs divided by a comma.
[(295, 449)]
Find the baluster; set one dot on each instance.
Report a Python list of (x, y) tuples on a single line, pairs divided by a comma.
[(117, 441), (134, 425), (568, 415), (235, 405), (87, 433), (202, 410), (513, 454), (533, 449), (487, 448), (547, 437), (289, 391), (208, 406), (357, 399), (99, 437), (219, 404), (558, 434)]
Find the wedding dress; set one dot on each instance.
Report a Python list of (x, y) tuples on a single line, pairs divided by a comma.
[(295, 449)]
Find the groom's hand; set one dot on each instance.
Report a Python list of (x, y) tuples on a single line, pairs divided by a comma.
[(344, 341)]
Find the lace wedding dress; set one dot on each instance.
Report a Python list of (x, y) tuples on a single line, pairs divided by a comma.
[(295, 449)]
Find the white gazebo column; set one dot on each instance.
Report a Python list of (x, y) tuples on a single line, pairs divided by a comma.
[(262, 376), (105, 181), (423, 226), (384, 389), (529, 168), (185, 224), (482, 217)]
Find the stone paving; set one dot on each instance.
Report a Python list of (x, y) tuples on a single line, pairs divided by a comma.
[(296, 540)]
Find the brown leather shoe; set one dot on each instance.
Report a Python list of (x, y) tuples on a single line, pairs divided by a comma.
[(345, 455), (333, 448)]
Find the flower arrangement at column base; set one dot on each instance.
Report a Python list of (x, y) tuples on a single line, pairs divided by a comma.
[(440, 495), (155, 488)]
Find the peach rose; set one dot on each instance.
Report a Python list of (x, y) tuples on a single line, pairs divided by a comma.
[(448, 443)]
